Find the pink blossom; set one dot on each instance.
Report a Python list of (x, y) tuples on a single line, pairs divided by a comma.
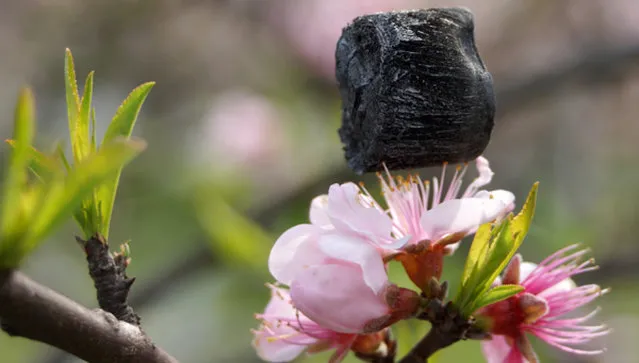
[(541, 309), (350, 231), (338, 280), (306, 245), (285, 332), (432, 224), (414, 214), (424, 217)]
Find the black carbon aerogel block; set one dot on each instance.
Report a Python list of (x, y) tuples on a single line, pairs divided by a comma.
[(414, 91)]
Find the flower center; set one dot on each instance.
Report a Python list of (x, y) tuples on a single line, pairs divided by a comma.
[(507, 317)]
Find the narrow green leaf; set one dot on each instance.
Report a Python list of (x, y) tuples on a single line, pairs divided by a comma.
[(521, 223), (496, 294), (80, 138), (16, 178), (65, 195), (121, 126), (94, 145), (470, 290), (126, 115), (481, 240), (81, 218), (498, 258), (13, 247), (63, 158), (505, 247), (73, 100), (42, 165)]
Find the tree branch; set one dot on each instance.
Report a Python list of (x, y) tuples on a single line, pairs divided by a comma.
[(33, 311), (431, 343), (448, 325)]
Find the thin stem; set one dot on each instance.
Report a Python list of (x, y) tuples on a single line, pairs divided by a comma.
[(431, 343)]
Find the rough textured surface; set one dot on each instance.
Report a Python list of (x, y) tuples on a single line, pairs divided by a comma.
[(415, 92), (33, 311), (109, 277)]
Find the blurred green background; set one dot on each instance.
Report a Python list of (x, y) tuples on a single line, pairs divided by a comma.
[(242, 126)]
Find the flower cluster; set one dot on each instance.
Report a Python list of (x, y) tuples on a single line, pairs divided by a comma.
[(333, 291), (336, 266)]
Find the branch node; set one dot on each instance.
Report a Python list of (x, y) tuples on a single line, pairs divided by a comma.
[(108, 272), (448, 327)]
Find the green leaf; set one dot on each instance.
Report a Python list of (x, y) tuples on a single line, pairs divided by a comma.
[(66, 194), (126, 115), (43, 166), (63, 158), (470, 289), (94, 145), (505, 247), (80, 139), (500, 252), (121, 126), (489, 255), (496, 294), (521, 223), (73, 102), (478, 246), (16, 177), (13, 247)]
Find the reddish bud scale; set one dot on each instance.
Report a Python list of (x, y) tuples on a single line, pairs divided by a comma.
[(369, 343), (404, 304), (422, 266)]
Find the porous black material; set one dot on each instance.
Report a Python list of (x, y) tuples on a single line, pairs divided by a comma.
[(415, 92)]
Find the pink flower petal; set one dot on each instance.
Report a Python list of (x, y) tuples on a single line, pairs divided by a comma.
[(295, 249), (276, 350), (460, 215), (319, 212), (485, 176), (337, 298), (347, 212), (525, 269), (361, 253), (280, 304), (563, 286), (496, 349), (272, 341), (504, 196)]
